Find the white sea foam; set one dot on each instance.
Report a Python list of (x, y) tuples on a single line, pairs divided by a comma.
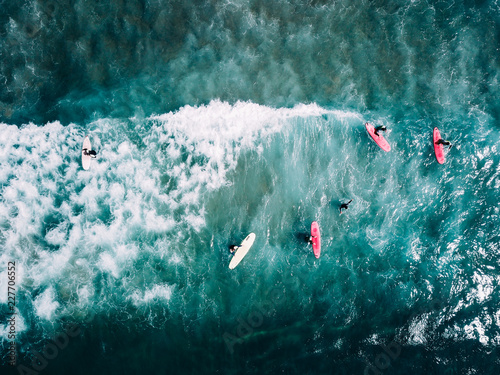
[(156, 293), (100, 221), (484, 287), (108, 264), (57, 236), (84, 294), (417, 330), (4, 280), (218, 132), (477, 330), (45, 304)]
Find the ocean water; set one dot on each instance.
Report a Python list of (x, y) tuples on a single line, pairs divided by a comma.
[(214, 119)]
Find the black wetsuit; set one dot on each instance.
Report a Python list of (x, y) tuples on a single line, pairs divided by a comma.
[(345, 206), (377, 129), (443, 142), (90, 153)]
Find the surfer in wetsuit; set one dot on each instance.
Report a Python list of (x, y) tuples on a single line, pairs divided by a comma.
[(233, 248), (90, 153), (344, 206), (377, 129), (441, 141)]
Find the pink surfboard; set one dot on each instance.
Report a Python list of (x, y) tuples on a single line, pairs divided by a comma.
[(381, 141), (316, 239), (438, 149)]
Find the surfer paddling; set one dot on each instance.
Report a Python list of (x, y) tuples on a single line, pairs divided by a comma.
[(344, 206), (87, 153), (378, 138), (90, 153), (441, 141), (379, 128), (240, 251)]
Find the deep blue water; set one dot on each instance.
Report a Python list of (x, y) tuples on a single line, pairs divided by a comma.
[(214, 119)]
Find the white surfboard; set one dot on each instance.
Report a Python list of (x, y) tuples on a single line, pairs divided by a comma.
[(242, 251), (86, 158)]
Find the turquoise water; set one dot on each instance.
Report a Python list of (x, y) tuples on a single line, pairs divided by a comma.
[(216, 119)]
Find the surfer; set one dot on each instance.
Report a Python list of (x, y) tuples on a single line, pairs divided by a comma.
[(441, 141), (309, 239), (344, 206), (90, 153), (379, 128), (233, 248)]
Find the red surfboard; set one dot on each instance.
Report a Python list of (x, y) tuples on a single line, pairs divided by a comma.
[(316, 239), (438, 149), (384, 145)]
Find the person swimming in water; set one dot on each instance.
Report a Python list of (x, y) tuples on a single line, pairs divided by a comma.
[(233, 248), (344, 206), (379, 128), (309, 239)]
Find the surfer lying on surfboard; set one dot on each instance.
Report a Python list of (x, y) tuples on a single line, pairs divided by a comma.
[(344, 206), (441, 141), (379, 128), (90, 153)]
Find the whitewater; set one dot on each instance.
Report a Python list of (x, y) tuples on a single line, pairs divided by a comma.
[(215, 119)]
